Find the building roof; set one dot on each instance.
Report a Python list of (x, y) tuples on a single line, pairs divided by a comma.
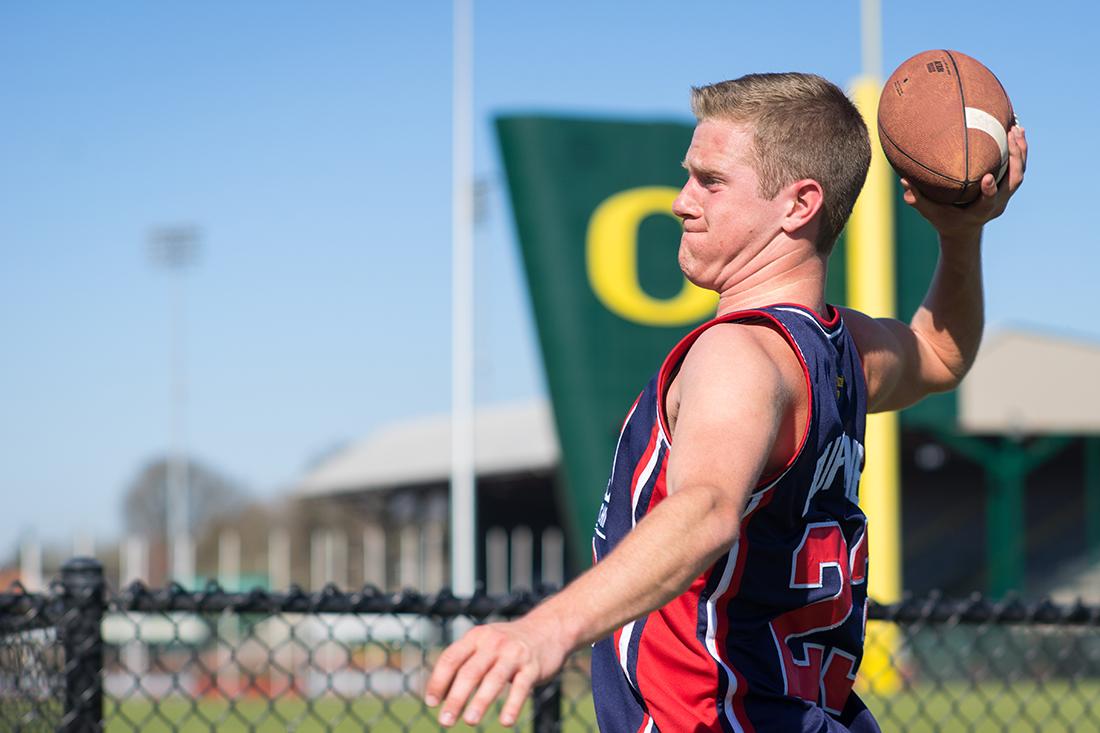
[(507, 439), (1032, 383)]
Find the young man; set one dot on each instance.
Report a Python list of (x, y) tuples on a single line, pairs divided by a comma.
[(730, 584)]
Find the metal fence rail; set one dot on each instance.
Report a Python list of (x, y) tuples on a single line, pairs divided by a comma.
[(77, 659)]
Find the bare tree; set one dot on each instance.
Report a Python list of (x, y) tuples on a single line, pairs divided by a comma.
[(145, 502)]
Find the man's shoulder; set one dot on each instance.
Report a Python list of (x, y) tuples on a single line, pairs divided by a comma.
[(736, 353), (742, 344)]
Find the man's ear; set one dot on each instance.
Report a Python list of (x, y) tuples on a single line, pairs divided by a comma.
[(804, 201)]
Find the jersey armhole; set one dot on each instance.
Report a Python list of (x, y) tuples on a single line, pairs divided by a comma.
[(859, 357), (671, 365)]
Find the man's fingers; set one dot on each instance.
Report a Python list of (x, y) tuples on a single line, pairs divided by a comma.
[(1017, 158), (910, 195), (522, 683), (472, 672), (468, 677), (989, 185), (443, 674), (914, 198), (491, 686)]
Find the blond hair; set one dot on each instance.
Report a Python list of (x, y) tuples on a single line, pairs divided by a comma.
[(803, 127)]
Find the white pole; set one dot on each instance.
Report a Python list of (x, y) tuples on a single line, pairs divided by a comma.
[(496, 561), (229, 576), (523, 558), (229, 559), (183, 567), (135, 560), (374, 556), (553, 557), (409, 564), (338, 543), (317, 578), (134, 566), (278, 558), (30, 563), (278, 575), (434, 533), (463, 494), (174, 248), (871, 37)]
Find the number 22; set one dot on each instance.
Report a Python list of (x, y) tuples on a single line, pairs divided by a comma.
[(822, 561)]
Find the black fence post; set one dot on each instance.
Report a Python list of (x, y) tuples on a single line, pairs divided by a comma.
[(547, 700), (82, 607)]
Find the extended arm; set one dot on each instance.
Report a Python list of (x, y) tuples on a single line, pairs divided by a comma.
[(708, 487), (905, 362)]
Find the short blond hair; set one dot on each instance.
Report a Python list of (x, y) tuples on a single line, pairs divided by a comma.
[(803, 127)]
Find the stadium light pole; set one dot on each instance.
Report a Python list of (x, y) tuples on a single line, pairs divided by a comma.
[(463, 486), (174, 249)]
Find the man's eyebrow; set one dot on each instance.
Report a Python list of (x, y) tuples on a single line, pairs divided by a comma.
[(700, 170)]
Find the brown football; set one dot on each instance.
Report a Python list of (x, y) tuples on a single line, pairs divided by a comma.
[(943, 122)]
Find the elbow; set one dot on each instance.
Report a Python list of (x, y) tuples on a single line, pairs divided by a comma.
[(942, 352), (944, 383), (720, 528), (951, 373), (705, 522), (947, 365)]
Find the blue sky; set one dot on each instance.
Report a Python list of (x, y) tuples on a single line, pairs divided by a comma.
[(311, 145)]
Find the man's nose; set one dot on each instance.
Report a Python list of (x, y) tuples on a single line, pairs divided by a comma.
[(684, 206)]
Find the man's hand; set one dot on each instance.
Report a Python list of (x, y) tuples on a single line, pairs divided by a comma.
[(524, 653), (964, 222)]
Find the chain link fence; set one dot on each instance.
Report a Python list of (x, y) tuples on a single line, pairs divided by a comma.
[(77, 659)]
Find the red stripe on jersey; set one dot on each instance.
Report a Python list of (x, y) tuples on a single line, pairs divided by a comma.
[(647, 454), (660, 490), (676, 673), (829, 323)]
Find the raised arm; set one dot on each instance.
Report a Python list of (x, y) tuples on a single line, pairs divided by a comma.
[(708, 487), (905, 362)]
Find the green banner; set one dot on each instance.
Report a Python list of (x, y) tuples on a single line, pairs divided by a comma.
[(592, 203)]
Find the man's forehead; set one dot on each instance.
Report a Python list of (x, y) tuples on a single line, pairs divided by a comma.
[(718, 143)]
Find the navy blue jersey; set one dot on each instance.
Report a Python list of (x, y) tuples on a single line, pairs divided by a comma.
[(768, 638)]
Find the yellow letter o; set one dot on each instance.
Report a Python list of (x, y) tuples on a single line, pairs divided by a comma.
[(611, 253)]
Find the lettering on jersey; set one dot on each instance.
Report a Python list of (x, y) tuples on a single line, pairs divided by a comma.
[(843, 453)]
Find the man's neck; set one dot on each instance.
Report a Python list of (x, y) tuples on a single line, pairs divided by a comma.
[(791, 277)]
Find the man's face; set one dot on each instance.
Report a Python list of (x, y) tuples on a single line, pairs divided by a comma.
[(726, 222)]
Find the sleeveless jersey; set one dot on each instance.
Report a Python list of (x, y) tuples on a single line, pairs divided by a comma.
[(768, 638)]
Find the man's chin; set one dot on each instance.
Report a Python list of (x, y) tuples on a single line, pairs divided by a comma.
[(694, 279)]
